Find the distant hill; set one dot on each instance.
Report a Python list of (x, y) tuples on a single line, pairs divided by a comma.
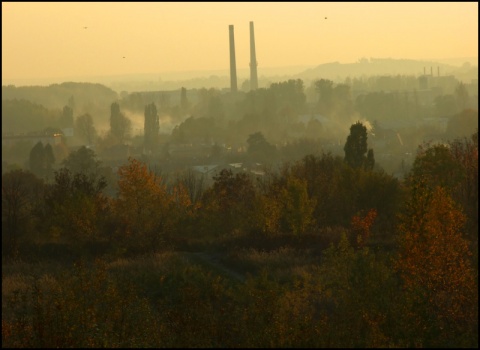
[(58, 95), (381, 66), (21, 116), (109, 86), (91, 98), (334, 71)]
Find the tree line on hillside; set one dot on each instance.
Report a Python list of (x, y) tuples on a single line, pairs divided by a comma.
[(281, 102), (263, 122)]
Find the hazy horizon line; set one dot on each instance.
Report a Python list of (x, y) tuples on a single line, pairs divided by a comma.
[(166, 76)]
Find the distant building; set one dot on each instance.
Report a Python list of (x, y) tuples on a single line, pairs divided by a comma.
[(189, 150), (205, 169)]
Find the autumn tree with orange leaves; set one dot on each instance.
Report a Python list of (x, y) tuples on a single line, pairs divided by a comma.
[(142, 205), (360, 226), (440, 286)]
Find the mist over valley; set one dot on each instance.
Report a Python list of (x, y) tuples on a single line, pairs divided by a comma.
[(224, 175)]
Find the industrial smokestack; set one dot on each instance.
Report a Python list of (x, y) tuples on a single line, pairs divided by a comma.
[(431, 71), (233, 65), (253, 61)]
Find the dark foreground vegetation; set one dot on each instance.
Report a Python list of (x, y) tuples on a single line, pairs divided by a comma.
[(323, 253)]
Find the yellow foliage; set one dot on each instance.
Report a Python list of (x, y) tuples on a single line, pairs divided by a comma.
[(434, 259), (143, 203)]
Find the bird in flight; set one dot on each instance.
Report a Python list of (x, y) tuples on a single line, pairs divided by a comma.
[(123, 56), (85, 27), (325, 17)]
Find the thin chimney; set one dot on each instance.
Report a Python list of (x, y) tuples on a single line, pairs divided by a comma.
[(233, 65), (253, 61)]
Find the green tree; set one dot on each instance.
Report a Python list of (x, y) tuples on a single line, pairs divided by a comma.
[(209, 105), (453, 166), (290, 98), (379, 191), (342, 101), (436, 165), (360, 289), (465, 153), (341, 191), (66, 120), (461, 96), (259, 148), (462, 124), (75, 207), (269, 214), (195, 130), (22, 193), (60, 151), (151, 127), (356, 147), (49, 161), (84, 161), (314, 129), (370, 161), (85, 129), (324, 176), (445, 105), (216, 151), (297, 207), (120, 125), (184, 104), (324, 88), (71, 103), (17, 116), (41, 160), (37, 160), (230, 203)]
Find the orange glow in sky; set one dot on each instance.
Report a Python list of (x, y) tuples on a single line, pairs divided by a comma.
[(50, 39)]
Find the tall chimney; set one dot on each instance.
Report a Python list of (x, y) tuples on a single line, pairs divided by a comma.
[(431, 71), (233, 66), (253, 61)]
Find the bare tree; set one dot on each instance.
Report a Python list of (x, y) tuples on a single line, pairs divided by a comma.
[(193, 182)]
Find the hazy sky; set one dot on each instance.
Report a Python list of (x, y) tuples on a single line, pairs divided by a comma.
[(41, 40)]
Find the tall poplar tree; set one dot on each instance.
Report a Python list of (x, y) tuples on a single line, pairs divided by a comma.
[(120, 125), (151, 127), (356, 147), (37, 160)]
